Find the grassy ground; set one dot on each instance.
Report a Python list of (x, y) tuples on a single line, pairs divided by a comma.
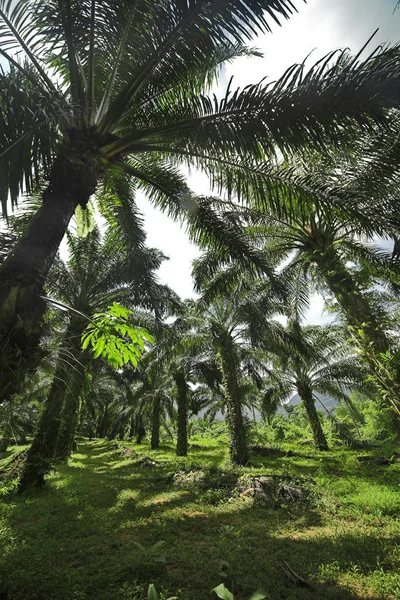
[(77, 539)]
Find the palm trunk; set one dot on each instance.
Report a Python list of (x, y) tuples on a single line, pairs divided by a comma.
[(24, 273), (155, 422), (70, 419), (238, 449), (182, 399), (132, 428), (305, 394), (364, 327), (70, 414), (140, 429), (42, 452), (102, 424)]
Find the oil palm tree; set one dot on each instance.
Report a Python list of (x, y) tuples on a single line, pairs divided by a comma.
[(322, 245), (320, 217), (238, 317), (323, 364), (119, 87), (98, 273), (182, 353)]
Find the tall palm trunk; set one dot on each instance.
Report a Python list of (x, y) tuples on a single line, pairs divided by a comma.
[(364, 327), (140, 429), (102, 423), (155, 422), (42, 452), (182, 400), (22, 276), (305, 393), (132, 427), (238, 449), (70, 413)]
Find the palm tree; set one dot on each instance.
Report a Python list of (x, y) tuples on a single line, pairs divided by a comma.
[(97, 274), (322, 364), (321, 245), (119, 87), (182, 353), (238, 314)]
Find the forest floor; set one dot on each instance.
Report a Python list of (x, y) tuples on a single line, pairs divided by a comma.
[(93, 532)]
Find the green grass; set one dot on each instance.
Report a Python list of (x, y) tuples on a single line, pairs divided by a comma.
[(78, 538)]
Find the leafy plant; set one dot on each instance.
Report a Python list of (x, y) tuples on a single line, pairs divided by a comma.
[(152, 594), (110, 336), (152, 555)]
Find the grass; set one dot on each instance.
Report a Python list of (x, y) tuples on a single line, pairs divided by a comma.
[(91, 533)]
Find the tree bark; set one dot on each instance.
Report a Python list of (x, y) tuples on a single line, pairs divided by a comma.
[(22, 276), (132, 428), (21, 293), (102, 424), (155, 422), (70, 413), (305, 394), (140, 429), (41, 454), (238, 449), (182, 400)]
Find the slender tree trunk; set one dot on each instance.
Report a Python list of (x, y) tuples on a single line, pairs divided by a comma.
[(141, 431), (132, 427), (365, 328), (238, 449), (22, 276), (182, 399), (155, 422), (102, 424), (42, 452), (305, 394), (70, 414), (70, 420)]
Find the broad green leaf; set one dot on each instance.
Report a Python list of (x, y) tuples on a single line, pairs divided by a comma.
[(258, 596), (152, 594), (107, 335), (86, 340), (223, 592)]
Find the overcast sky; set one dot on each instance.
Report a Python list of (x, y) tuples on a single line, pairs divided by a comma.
[(319, 27)]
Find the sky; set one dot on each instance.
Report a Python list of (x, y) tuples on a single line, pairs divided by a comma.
[(319, 27)]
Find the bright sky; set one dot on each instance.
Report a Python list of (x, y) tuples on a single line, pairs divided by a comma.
[(319, 27)]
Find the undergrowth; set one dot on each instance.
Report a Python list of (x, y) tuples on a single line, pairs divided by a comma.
[(112, 521)]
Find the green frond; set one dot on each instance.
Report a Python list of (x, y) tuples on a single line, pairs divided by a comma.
[(177, 33), (28, 135)]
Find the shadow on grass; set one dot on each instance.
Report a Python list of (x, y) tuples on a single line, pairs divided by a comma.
[(75, 539)]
